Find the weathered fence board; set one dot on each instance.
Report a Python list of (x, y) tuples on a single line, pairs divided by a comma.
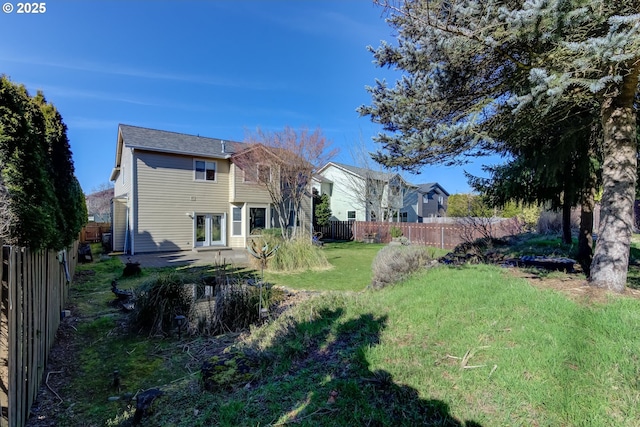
[(443, 235), (93, 231), (33, 293)]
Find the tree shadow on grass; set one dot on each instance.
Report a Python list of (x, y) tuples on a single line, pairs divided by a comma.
[(322, 374)]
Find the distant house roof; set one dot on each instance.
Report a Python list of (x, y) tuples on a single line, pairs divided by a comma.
[(364, 172), (171, 142), (177, 143), (431, 186), (319, 178)]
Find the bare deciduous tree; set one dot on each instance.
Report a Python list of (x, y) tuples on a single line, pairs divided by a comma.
[(99, 201), (378, 192), (283, 162)]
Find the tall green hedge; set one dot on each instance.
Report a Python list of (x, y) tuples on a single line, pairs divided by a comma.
[(46, 206)]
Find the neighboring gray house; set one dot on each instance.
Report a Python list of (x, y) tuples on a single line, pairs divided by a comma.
[(432, 201), (183, 192)]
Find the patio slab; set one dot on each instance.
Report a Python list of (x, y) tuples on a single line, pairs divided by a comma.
[(188, 258)]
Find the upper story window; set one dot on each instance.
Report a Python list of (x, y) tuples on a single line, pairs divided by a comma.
[(261, 174), (441, 200), (264, 173), (204, 170)]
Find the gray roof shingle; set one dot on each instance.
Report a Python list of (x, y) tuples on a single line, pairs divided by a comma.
[(177, 143), (364, 172), (431, 186)]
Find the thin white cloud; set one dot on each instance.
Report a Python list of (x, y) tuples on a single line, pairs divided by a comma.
[(329, 23), (119, 70), (53, 92)]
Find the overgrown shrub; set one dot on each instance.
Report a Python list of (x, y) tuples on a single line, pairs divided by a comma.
[(394, 263), (230, 302), (298, 255), (262, 248), (236, 305), (158, 302)]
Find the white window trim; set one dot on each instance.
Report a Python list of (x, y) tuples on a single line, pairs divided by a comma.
[(215, 163), (234, 221)]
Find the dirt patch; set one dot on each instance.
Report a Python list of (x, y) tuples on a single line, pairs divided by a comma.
[(573, 286), (51, 401)]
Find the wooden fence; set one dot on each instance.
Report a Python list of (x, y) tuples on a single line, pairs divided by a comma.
[(337, 230), (93, 231), (442, 235), (35, 287)]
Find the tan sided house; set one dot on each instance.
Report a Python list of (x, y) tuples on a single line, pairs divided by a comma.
[(184, 192)]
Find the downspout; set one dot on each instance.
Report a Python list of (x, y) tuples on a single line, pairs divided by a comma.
[(134, 197)]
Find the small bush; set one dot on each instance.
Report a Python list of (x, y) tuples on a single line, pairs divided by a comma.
[(395, 232), (394, 263), (298, 255)]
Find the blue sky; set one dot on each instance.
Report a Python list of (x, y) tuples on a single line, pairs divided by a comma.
[(217, 68)]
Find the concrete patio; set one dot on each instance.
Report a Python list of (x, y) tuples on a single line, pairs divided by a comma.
[(189, 258)]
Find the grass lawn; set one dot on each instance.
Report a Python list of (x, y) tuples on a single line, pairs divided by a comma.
[(351, 262), (452, 346)]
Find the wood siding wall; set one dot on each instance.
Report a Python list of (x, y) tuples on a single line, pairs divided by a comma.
[(247, 191), (167, 191), (33, 294)]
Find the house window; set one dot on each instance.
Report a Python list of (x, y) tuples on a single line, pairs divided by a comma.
[(441, 200), (236, 221), (351, 215), (403, 217), (425, 198), (261, 174), (257, 219), (204, 171), (264, 173)]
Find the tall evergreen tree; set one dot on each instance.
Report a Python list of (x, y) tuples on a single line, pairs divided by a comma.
[(321, 209), (69, 218), (26, 168), (463, 60), (43, 201)]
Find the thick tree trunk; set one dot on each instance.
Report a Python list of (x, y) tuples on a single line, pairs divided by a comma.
[(611, 258)]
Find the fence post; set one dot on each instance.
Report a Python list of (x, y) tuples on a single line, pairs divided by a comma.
[(4, 341)]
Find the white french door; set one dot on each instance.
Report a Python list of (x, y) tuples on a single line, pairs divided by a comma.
[(209, 230)]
